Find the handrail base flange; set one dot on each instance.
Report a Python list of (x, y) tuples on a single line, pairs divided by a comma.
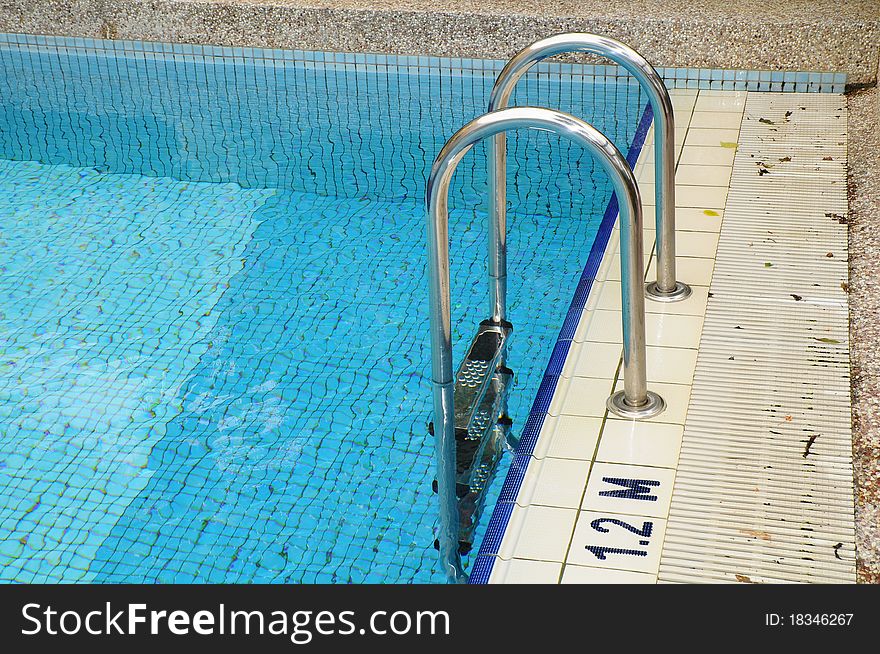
[(618, 405), (681, 292)]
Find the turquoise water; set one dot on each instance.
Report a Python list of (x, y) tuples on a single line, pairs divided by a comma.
[(214, 363)]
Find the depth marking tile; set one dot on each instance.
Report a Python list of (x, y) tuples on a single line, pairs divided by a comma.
[(633, 490), (622, 542)]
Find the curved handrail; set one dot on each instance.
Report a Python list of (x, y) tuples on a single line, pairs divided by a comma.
[(666, 287), (634, 399)]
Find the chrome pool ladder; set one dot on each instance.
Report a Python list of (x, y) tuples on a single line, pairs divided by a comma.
[(666, 288), (470, 425)]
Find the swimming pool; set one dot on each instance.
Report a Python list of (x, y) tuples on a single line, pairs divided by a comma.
[(215, 359)]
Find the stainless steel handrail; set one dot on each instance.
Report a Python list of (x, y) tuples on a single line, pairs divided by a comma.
[(635, 400), (666, 288)]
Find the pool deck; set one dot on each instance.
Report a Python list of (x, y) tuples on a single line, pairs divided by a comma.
[(747, 475), (791, 35)]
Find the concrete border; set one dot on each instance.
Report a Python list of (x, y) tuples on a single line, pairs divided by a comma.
[(864, 280), (818, 35)]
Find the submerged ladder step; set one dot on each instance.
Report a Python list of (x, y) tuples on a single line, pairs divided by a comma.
[(477, 372), (482, 428)]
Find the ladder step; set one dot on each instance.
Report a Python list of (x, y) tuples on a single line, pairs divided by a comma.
[(477, 370), (481, 428)]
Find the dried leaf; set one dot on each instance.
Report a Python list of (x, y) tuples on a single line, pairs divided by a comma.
[(766, 121), (744, 579), (797, 298), (784, 159), (830, 255), (810, 442), (827, 158), (827, 340)]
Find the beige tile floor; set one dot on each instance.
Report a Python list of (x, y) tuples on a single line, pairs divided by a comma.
[(593, 505)]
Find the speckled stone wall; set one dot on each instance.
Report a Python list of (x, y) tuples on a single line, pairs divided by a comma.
[(864, 282), (804, 35)]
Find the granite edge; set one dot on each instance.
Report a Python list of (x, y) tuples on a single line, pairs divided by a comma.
[(852, 47)]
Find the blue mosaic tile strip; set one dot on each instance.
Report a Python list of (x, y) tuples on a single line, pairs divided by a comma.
[(689, 78), (482, 569)]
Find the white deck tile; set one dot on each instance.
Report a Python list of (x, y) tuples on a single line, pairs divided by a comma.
[(582, 396), (554, 482), (524, 571), (695, 305), (696, 155), (640, 443), (716, 119), (537, 532), (702, 175), (695, 219), (711, 137), (677, 397), (576, 574), (568, 437), (671, 365), (593, 359), (693, 270)]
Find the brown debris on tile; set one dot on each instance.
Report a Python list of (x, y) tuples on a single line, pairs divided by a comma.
[(756, 533), (810, 442)]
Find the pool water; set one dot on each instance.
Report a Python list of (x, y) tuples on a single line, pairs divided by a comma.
[(214, 363)]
